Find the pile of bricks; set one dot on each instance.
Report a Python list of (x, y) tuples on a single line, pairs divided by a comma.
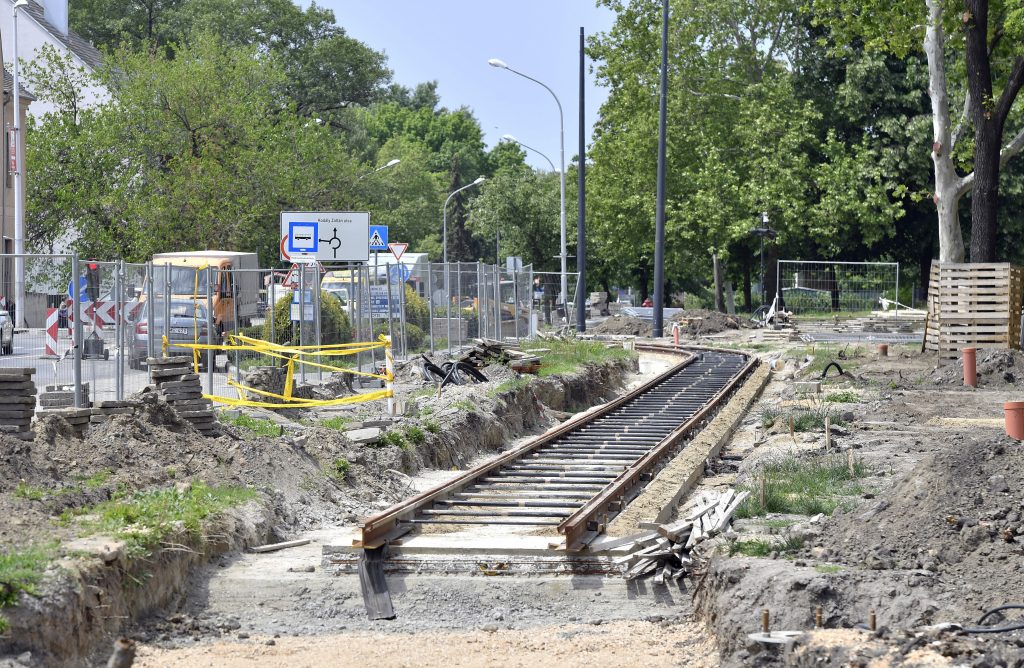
[(62, 396), (17, 402), (180, 387), (102, 410)]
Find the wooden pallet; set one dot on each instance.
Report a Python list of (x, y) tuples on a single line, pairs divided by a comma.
[(976, 305)]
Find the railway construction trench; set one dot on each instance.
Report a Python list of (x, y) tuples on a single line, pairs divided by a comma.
[(570, 482), (262, 600)]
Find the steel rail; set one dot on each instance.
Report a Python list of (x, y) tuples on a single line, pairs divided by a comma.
[(374, 530), (590, 465), (588, 518)]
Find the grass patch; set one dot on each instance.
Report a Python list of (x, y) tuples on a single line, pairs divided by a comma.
[(828, 568), (339, 468), (30, 492), (416, 435), (255, 425), (804, 419), (567, 356), (96, 480), (21, 571), (432, 426), (394, 438), (844, 397), (803, 486), (143, 519), (464, 405), (759, 547), (337, 423), (510, 386)]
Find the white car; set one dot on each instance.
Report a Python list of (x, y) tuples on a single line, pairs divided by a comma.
[(6, 333)]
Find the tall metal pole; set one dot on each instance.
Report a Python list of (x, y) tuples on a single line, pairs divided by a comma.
[(581, 206), (494, 62), (19, 186), (659, 224), (444, 250), (76, 313)]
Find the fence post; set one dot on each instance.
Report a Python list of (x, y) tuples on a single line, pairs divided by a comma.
[(897, 291), (302, 318), (317, 324), (389, 369), (368, 301), (430, 305), (150, 306), (391, 319), (515, 300), (448, 304), (497, 303), (211, 355), (401, 311), (119, 331), (481, 291), (458, 299), (272, 299), (76, 311)]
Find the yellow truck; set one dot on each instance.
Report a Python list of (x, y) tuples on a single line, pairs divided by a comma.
[(235, 277)]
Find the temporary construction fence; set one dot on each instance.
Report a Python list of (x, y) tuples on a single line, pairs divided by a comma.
[(123, 312), (810, 289)]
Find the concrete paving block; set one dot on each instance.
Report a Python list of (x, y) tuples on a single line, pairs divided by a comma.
[(364, 436)]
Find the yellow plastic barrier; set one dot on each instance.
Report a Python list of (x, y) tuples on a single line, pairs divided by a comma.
[(293, 355)]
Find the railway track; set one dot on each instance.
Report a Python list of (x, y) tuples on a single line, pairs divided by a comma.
[(577, 477)]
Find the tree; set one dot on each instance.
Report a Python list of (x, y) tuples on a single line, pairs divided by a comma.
[(191, 151), (896, 27)]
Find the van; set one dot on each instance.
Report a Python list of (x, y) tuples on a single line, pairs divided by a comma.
[(235, 289)]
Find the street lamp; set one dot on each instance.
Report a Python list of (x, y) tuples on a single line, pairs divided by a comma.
[(494, 62), (764, 232), (19, 185), (529, 148), (444, 244), (391, 163)]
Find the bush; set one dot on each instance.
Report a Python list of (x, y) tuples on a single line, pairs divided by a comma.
[(417, 311), (334, 323)]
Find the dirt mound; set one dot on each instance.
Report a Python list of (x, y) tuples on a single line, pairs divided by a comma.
[(623, 325), (995, 367), (957, 515), (697, 322)]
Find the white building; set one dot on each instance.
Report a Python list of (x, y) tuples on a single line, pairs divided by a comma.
[(46, 22)]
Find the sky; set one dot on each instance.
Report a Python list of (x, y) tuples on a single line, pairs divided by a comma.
[(450, 41)]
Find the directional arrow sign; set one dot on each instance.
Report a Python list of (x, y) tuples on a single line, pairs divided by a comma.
[(397, 250)]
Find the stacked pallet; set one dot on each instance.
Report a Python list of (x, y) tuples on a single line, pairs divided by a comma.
[(973, 305), (668, 553), (17, 402), (180, 387)]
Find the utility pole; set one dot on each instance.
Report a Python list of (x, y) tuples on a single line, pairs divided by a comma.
[(581, 202), (659, 223)]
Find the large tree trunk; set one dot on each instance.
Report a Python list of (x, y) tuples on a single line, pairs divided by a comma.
[(948, 185), (988, 132)]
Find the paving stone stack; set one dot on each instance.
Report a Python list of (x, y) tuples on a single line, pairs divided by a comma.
[(102, 410), (62, 396), (180, 387), (78, 418), (17, 402)]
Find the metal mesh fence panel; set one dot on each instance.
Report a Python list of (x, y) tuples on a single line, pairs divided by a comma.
[(45, 343), (837, 289)]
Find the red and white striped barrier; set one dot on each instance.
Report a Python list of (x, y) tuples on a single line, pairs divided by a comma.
[(51, 333)]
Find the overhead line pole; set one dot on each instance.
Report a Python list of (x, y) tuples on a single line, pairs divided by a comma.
[(581, 200), (659, 223)]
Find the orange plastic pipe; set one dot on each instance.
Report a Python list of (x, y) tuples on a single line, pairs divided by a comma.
[(1014, 412), (970, 366)]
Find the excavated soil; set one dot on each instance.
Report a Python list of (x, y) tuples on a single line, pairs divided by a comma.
[(296, 474), (934, 536), (622, 325), (701, 322)]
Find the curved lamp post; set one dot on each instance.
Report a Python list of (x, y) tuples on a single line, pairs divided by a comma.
[(391, 163), (444, 244), (494, 62)]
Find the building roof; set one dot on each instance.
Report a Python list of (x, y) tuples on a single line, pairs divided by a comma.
[(74, 42), (9, 86)]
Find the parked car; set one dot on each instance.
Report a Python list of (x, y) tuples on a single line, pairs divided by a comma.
[(186, 316), (6, 333)]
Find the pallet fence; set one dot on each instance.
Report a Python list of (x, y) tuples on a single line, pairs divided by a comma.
[(973, 305)]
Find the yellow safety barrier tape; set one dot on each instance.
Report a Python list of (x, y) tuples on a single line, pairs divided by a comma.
[(292, 355)]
